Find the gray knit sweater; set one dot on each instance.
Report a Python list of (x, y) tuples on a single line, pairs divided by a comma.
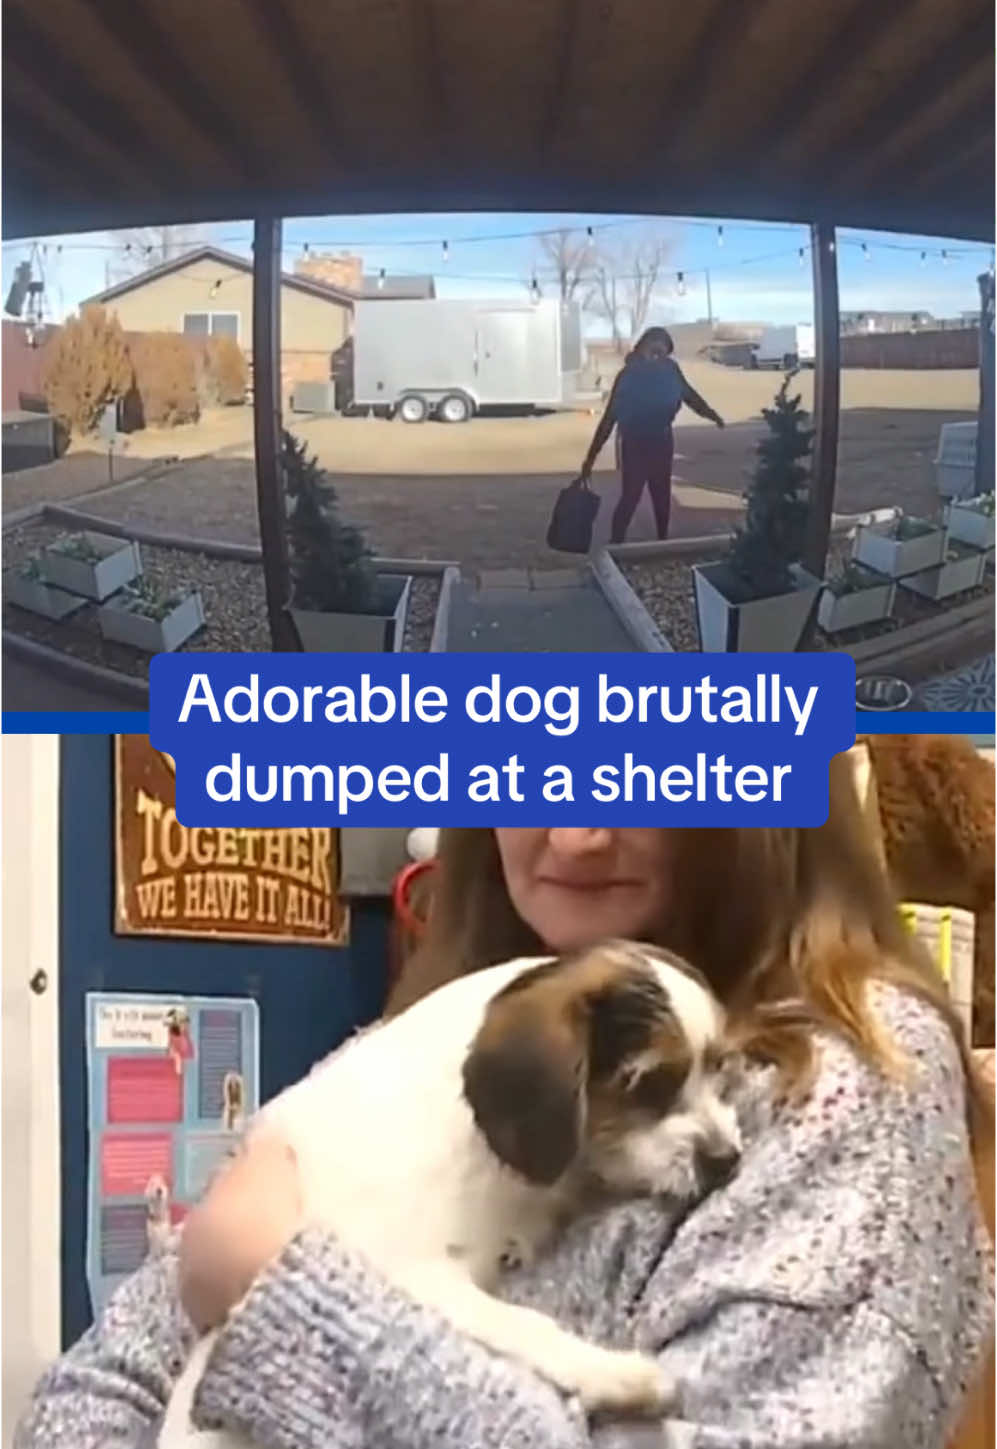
[(836, 1293)]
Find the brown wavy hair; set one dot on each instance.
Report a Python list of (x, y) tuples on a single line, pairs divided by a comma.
[(790, 926)]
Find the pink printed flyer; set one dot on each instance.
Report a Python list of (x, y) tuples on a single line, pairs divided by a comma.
[(171, 1083)]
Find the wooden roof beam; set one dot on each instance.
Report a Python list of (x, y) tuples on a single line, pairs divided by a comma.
[(864, 26), (426, 29), (901, 103), (30, 137), (163, 66), (972, 116), (723, 32), (63, 85), (567, 45), (978, 156), (304, 78)]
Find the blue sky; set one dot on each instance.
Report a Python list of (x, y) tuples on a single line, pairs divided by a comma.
[(756, 272)]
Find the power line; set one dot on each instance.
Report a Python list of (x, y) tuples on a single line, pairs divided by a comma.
[(443, 244)]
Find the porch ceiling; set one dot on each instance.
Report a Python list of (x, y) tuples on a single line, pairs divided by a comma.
[(872, 113)]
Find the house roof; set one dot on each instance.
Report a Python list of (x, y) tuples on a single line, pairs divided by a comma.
[(224, 258), (849, 112)]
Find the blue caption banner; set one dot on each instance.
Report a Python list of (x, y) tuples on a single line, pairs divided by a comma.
[(270, 740)]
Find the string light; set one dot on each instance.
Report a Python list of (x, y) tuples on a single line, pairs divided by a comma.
[(446, 251), (924, 259), (866, 252), (720, 236), (680, 284), (590, 233), (945, 257), (215, 288), (831, 245), (802, 256), (380, 280)]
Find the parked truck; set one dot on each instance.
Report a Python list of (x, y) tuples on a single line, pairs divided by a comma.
[(783, 348), (450, 359)]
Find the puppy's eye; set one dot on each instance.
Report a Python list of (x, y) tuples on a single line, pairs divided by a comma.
[(726, 1071), (656, 1089)]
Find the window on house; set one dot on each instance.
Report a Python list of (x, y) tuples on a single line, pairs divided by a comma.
[(213, 324)]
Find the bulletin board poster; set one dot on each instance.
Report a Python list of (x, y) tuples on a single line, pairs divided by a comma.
[(280, 886), (171, 1082)]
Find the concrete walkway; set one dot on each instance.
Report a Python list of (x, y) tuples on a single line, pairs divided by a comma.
[(27, 685), (541, 611)]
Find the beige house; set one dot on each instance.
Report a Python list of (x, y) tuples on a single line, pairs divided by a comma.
[(209, 292)]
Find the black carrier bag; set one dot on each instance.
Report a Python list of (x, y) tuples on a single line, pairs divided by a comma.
[(570, 527)]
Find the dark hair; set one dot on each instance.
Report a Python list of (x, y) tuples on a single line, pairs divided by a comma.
[(809, 921), (652, 334)]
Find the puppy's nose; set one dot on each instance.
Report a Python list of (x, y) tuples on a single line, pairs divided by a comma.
[(717, 1163)]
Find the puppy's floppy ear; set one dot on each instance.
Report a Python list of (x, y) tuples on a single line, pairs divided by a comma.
[(524, 1080), (628, 1013)]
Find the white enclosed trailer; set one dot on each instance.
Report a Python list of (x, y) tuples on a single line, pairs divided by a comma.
[(449, 359), (785, 347)]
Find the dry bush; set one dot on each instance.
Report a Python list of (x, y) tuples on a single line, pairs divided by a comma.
[(227, 370), (165, 379), (221, 371), (88, 369)]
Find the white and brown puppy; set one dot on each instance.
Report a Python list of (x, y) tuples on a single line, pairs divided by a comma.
[(463, 1133)]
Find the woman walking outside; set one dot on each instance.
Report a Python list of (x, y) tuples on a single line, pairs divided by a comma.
[(643, 405)]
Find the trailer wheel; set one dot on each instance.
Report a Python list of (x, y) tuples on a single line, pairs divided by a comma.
[(456, 407), (413, 408)]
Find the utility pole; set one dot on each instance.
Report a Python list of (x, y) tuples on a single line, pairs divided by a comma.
[(709, 301)]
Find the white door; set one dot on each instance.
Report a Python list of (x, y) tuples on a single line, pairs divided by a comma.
[(30, 1146)]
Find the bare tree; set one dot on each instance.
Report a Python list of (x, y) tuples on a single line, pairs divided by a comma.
[(625, 279), (562, 260), (143, 247), (569, 255)]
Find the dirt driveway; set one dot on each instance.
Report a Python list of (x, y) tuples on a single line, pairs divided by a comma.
[(482, 493)]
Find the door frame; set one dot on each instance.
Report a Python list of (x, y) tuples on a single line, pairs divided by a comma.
[(32, 1196)]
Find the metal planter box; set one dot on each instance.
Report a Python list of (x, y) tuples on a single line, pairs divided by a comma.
[(39, 597), (955, 462), (776, 624), (851, 610), (954, 576), (153, 636), (380, 633), (969, 525), (118, 563), (880, 551)]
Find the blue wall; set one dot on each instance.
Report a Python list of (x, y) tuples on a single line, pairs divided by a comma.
[(309, 998)]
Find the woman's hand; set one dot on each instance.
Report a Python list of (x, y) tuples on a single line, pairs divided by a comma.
[(248, 1216)]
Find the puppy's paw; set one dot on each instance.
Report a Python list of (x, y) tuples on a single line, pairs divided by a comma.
[(625, 1383)]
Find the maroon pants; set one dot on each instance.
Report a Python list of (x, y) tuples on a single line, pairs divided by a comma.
[(644, 461)]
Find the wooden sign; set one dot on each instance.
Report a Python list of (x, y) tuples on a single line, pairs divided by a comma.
[(244, 885)]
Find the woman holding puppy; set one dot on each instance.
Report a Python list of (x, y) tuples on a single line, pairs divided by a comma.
[(835, 1293)]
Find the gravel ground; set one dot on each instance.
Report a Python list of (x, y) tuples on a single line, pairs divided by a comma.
[(233, 596), (665, 588), (421, 613)]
